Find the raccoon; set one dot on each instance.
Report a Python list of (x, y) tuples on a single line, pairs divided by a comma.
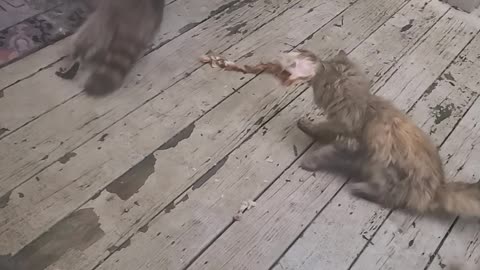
[(111, 40)]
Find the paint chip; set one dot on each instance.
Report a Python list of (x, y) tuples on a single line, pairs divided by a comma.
[(66, 158), (180, 136), (132, 180), (102, 139), (5, 199), (209, 174), (3, 130), (245, 206), (77, 231)]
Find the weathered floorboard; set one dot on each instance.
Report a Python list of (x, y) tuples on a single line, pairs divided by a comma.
[(408, 236), (44, 142), (222, 254), (187, 225), (188, 241), (154, 184), (31, 64), (450, 32), (149, 117), (288, 206), (461, 246), (178, 18), (29, 87)]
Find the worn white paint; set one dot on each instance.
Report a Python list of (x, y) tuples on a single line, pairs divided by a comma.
[(359, 220), (146, 128), (201, 218), (38, 90), (420, 241), (39, 144), (401, 58)]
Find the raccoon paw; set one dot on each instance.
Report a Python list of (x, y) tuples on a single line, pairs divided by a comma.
[(68, 73)]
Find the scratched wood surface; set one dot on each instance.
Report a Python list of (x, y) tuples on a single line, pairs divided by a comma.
[(152, 176)]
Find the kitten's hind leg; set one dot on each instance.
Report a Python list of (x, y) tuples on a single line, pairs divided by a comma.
[(365, 190), (378, 186), (330, 159)]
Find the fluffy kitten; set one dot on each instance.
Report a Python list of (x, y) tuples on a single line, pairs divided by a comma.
[(112, 39), (393, 161)]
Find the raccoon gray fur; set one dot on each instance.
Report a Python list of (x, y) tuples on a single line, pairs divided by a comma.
[(111, 40)]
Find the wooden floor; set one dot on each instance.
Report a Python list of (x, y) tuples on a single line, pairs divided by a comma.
[(152, 176)]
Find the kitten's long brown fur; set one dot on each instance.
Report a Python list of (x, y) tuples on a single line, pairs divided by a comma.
[(392, 161), (395, 163), (112, 38)]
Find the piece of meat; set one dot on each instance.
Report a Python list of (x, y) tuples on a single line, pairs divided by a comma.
[(290, 67)]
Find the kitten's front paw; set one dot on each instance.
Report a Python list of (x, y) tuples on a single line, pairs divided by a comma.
[(320, 159), (304, 124), (308, 164)]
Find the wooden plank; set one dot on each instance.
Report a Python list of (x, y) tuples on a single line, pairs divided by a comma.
[(178, 18), (187, 225), (141, 132), (345, 210), (43, 142), (29, 87), (460, 248), (322, 247), (231, 250), (319, 241), (31, 64), (414, 237), (199, 229)]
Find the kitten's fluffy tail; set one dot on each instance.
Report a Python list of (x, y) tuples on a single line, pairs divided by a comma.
[(458, 198)]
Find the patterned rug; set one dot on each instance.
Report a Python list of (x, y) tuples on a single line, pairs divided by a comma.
[(29, 25)]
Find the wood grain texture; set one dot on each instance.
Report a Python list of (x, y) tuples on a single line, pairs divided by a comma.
[(252, 244), (151, 177), (42, 143), (31, 89), (460, 248), (181, 16), (368, 218), (215, 214), (415, 237), (153, 126)]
